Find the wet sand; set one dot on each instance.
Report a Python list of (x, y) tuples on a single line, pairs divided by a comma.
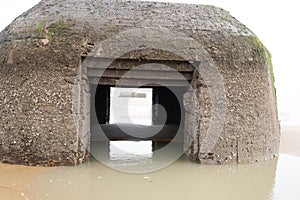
[(183, 179), (290, 140), (15, 181)]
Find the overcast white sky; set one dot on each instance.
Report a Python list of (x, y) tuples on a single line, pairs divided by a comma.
[(275, 22)]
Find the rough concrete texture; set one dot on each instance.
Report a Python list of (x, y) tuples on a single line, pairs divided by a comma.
[(40, 55)]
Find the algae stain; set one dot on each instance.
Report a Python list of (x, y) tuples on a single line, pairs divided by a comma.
[(269, 56), (58, 28), (40, 26), (265, 52)]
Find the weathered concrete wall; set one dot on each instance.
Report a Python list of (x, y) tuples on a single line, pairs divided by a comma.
[(251, 131), (40, 54)]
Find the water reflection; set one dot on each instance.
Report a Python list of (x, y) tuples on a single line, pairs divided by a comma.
[(130, 155), (287, 178), (271, 180), (126, 156), (182, 180)]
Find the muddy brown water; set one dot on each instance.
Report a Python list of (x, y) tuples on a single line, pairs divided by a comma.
[(272, 180)]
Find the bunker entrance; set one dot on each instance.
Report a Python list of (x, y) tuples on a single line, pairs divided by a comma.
[(137, 114), (135, 100)]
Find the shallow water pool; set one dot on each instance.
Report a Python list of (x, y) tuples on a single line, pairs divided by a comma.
[(272, 180), (276, 179)]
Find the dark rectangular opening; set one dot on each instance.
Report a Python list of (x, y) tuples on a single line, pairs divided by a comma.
[(167, 115)]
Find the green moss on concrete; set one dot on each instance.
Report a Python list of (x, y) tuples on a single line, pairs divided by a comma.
[(263, 51), (40, 26), (271, 71), (58, 28)]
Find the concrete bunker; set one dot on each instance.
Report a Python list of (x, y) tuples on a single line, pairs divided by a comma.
[(45, 99)]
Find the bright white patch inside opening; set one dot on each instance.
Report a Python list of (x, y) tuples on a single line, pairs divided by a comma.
[(130, 106), (127, 149)]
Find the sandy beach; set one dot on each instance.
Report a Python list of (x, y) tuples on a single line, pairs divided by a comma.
[(16, 180), (290, 140)]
